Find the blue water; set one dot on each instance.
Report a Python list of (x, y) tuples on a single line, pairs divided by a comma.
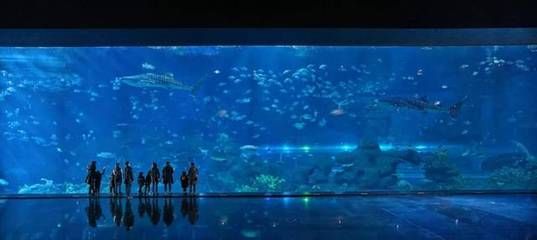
[(267, 118)]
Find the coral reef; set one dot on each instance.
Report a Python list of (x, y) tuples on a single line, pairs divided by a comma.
[(443, 174), (517, 173), (515, 177), (263, 183)]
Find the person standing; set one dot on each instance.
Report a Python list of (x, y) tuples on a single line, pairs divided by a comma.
[(192, 177), (98, 178), (148, 182), (112, 184), (90, 177), (167, 177), (129, 178), (155, 178), (141, 183), (117, 179), (184, 181)]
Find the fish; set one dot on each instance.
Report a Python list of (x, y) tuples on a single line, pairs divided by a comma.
[(422, 104), (248, 148), (106, 155), (148, 66), (153, 80), (218, 159), (299, 125), (337, 112)]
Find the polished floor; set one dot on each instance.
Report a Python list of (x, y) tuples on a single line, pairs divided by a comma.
[(344, 217)]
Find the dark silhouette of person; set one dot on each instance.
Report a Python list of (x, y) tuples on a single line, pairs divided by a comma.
[(141, 183), (118, 177), (128, 220), (112, 184), (90, 177), (167, 177), (168, 215), (129, 178), (98, 180), (192, 177), (184, 181), (155, 212), (141, 206), (148, 182), (155, 178), (94, 211), (117, 210)]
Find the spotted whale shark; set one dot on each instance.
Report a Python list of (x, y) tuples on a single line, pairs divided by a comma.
[(153, 80)]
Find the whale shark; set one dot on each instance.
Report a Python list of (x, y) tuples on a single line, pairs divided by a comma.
[(153, 80), (422, 104)]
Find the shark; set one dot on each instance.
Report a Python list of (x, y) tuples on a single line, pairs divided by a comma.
[(422, 104), (153, 80)]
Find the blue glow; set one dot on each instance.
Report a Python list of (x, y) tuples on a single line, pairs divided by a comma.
[(306, 148), (421, 147), (386, 147), (346, 148)]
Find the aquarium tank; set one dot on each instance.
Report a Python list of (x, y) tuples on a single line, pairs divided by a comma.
[(272, 118)]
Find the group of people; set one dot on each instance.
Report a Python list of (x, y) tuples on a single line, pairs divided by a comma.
[(146, 183)]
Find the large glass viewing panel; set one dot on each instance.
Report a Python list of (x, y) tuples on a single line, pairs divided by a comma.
[(272, 118)]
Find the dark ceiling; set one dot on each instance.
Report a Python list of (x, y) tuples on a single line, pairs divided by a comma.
[(328, 13)]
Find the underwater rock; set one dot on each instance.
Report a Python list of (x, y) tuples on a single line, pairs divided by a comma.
[(441, 172), (48, 186), (515, 177), (404, 185), (504, 160), (368, 167), (316, 176)]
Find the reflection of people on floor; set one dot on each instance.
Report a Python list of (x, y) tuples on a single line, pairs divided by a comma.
[(193, 210), (168, 216), (189, 209), (155, 212), (94, 211), (128, 220), (117, 210), (141, 206), (147, 204), (184, 207)]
